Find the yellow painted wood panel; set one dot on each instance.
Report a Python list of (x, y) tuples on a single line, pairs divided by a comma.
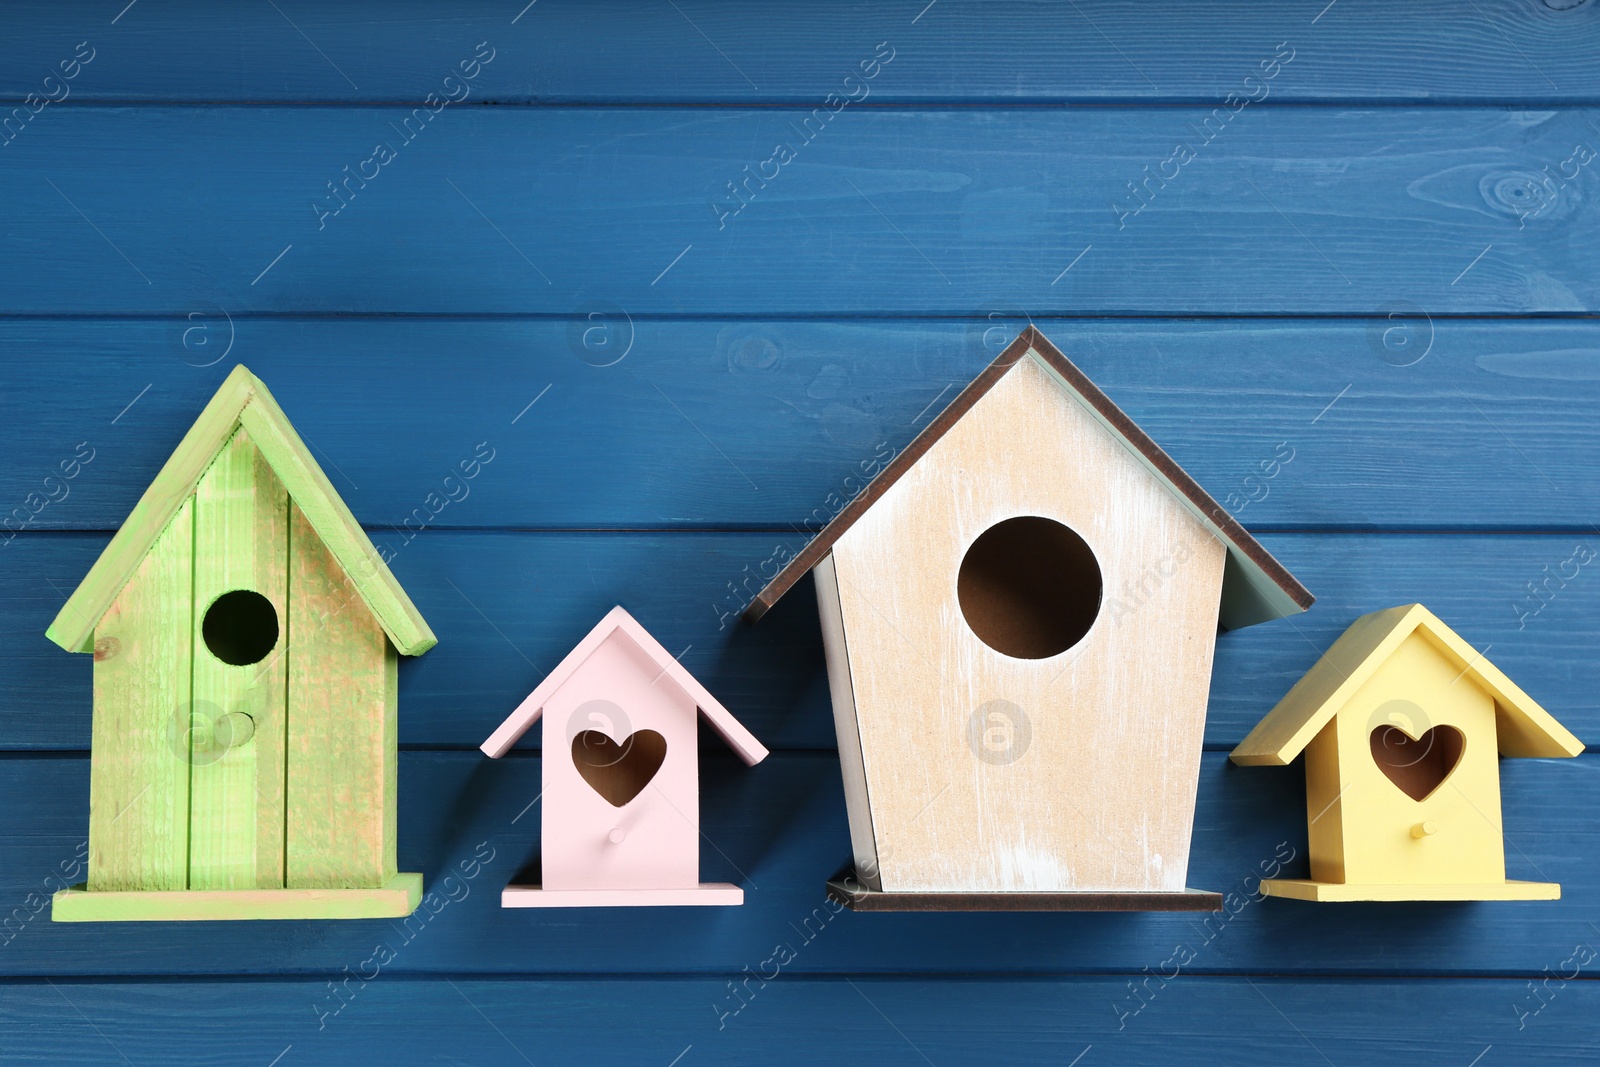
[(236, 815), (1325, 816), (343, 727), (1304, 889), (1090, 783), (1417, 689), (139, 776)]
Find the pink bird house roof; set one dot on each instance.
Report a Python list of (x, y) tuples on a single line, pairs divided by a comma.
[(619, 624)]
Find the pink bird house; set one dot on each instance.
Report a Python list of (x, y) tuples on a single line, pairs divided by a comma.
[(620, 815)]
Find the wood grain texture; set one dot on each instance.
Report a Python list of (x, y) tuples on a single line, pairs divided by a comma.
[(236, 792), (1255, 588), (796, 1020), (1398, 172), (173, 484), (327, 515), (139, 788), (1035, 809), (342, 729), (508, 605), (1314, 209), (396, 898), (702, 51), (806, 409), (240, 404), (775, 828)]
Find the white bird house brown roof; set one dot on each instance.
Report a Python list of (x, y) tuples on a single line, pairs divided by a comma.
[(1256, 587)]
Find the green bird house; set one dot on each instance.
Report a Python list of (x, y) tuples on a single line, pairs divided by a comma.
[(245, 635)]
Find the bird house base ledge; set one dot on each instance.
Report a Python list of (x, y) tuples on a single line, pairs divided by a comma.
[(1305, 889), (395, 899), (706, 894), (847, 890)]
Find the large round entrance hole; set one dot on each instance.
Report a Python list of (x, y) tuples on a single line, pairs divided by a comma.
[(240, 627), (1029, 587)]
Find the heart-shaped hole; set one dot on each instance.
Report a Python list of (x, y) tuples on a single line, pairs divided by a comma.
[(618, 772), (1418, 765)]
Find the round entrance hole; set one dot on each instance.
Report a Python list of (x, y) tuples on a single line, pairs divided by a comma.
[(1029, 587), (240, 627)]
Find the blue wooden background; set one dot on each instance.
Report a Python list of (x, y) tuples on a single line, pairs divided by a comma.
[(1382, 251)]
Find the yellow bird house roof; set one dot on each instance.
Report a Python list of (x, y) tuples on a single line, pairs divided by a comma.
[(1524, 728), (242, 401)]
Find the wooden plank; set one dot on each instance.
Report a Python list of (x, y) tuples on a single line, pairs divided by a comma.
[(510, 618), (139, 789), (1305, 889), (708, 894), (343, 685), (809, 410), (396, 898), (779, 831), (236, 802), (846, 729), (850, 892), (742, 1017), (1021, 51), (946, 212)]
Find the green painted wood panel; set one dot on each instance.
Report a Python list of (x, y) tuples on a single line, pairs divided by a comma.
[(139, 780), (236, 809), (343, 726)]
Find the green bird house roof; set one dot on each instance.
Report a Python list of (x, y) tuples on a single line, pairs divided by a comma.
[(242, 402)]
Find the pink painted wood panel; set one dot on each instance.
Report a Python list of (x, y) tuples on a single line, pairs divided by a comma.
[(653, 841)]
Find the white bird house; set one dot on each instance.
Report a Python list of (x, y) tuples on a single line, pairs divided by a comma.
[(1019, 614)]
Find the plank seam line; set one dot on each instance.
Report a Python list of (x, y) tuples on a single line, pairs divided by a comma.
[(806, 104)]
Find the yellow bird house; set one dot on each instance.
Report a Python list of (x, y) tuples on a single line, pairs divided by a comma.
[(1403, 723)]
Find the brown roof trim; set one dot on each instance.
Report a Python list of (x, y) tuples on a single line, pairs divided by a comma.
[(1031, 339)]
